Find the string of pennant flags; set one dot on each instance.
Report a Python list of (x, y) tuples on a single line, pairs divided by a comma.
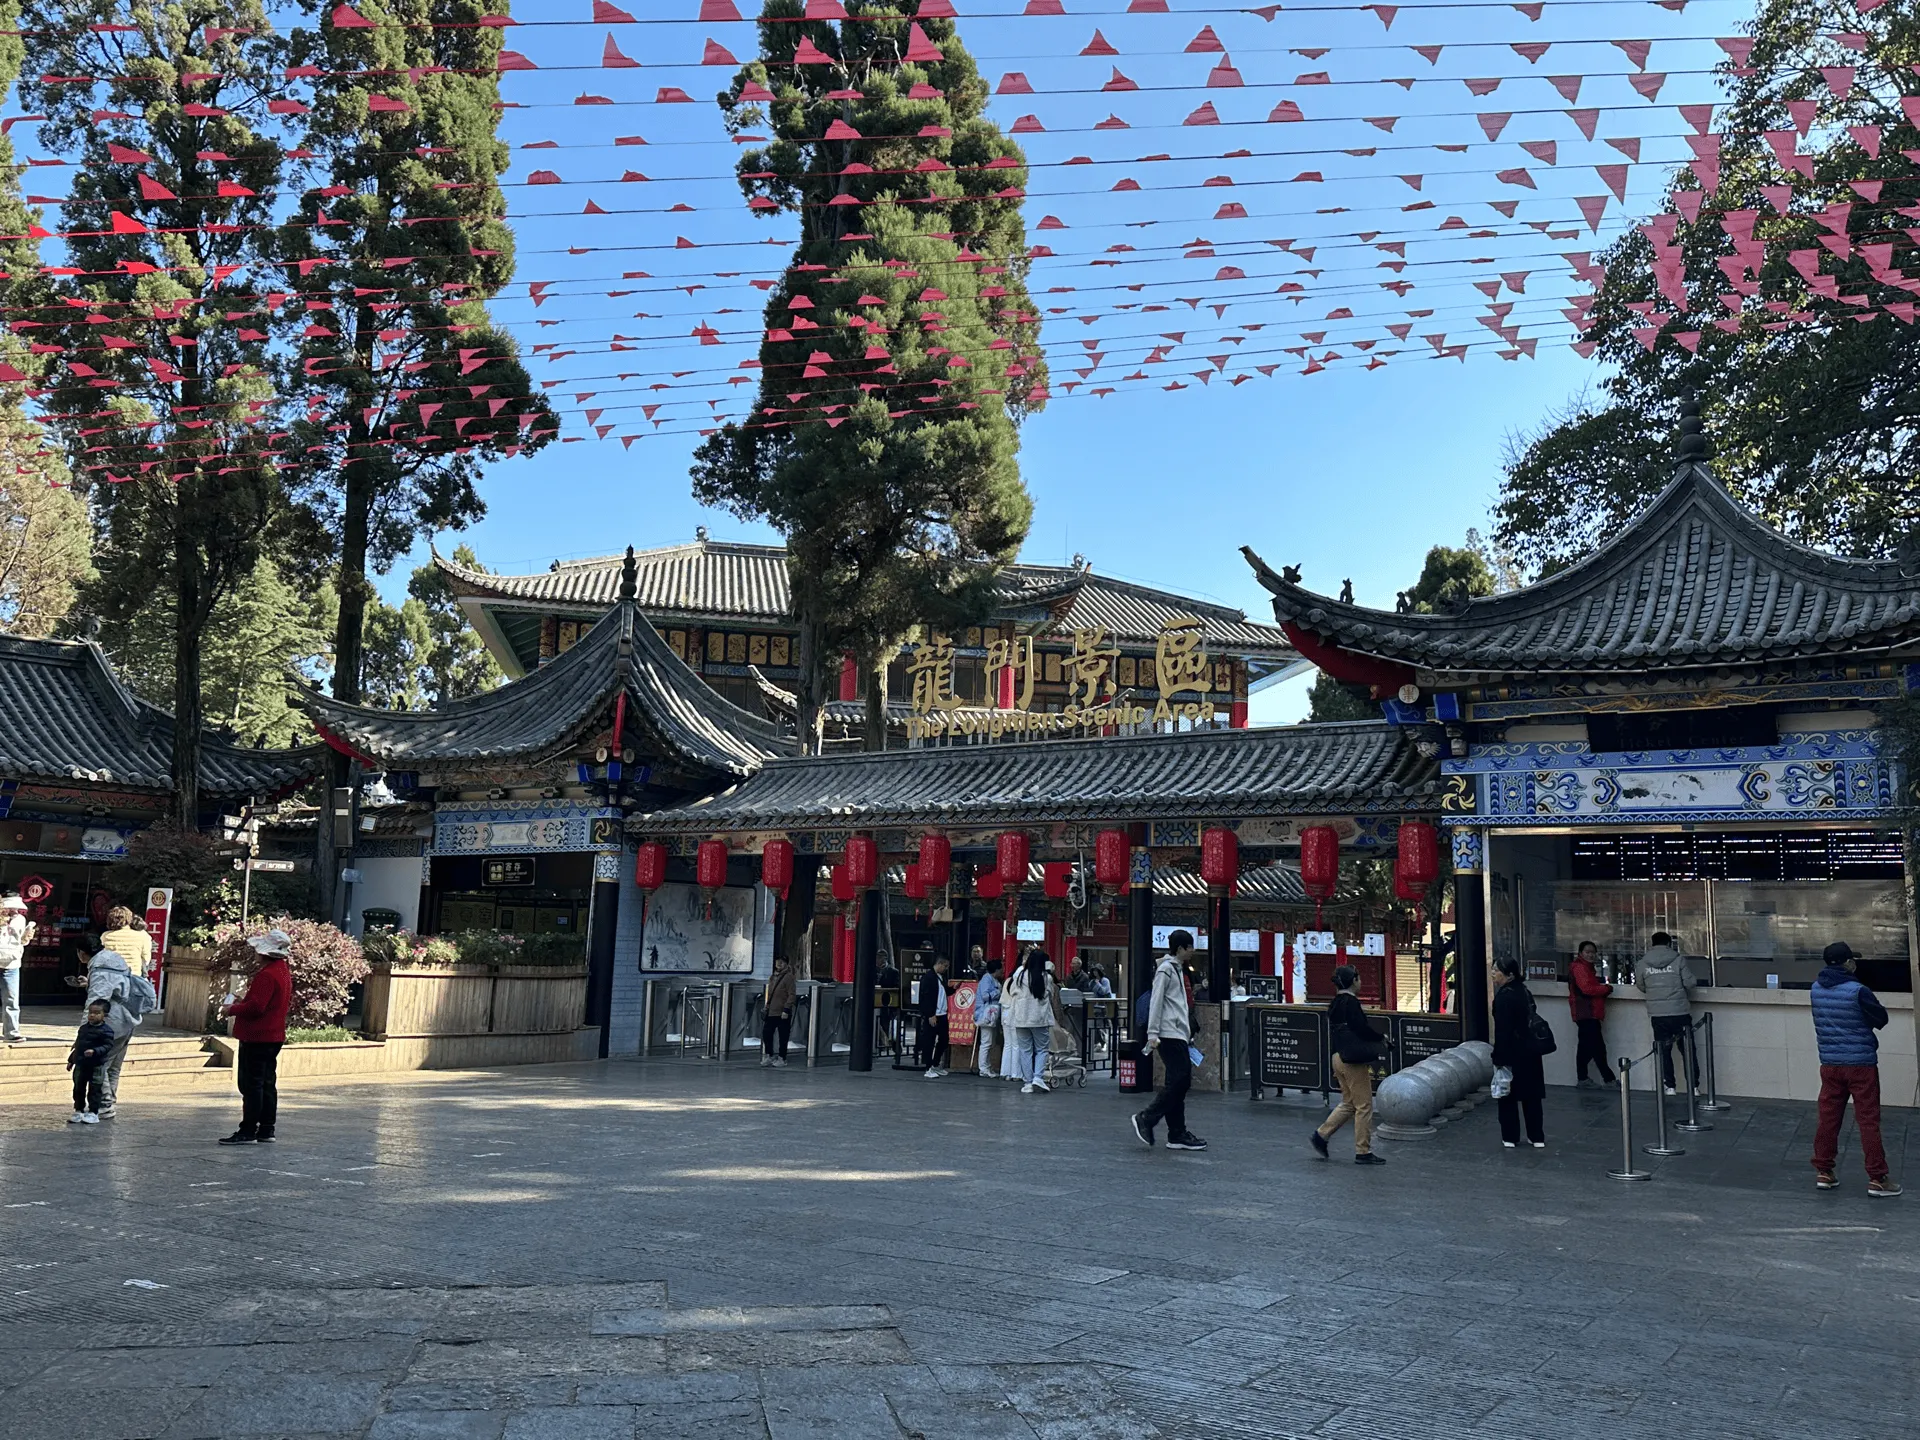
[(1409, 271)]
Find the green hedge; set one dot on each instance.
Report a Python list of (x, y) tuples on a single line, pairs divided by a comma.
[(405, 950)]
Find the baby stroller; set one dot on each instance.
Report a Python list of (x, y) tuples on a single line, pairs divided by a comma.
[(1063, 1065)]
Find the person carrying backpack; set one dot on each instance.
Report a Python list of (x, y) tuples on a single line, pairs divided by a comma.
[(1356, 1046), (131, 999), (1517, 1050)]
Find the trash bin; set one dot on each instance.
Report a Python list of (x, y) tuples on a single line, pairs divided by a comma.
[(1135, 1065)]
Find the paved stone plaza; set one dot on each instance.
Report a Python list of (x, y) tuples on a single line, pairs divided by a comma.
[(672, 1250)]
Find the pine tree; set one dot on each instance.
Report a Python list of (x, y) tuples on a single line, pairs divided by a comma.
[(154, 338), (903, 326), (44, 536), (408, 386), (1815, 422), (423, 652)]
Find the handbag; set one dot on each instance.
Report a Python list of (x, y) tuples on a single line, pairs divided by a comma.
[(1539, 1032), (1502, 1083)]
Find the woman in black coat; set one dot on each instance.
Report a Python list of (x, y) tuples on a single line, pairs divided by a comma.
[(1513, 1048)]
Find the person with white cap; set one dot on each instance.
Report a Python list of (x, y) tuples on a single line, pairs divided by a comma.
[(14, 934), (260, 1025)]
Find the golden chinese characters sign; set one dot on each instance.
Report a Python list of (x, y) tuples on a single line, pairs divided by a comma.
[(1180, 664)]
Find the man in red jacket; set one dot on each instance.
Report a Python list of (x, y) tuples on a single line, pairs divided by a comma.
[(260, 1025), (1587, 998)]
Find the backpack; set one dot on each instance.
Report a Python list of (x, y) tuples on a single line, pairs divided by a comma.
[(139, 999)]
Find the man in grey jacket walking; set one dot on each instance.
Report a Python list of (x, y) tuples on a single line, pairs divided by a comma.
[(1170, 1030), (1667, 981)]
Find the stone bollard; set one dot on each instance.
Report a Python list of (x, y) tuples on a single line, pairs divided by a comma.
[(1408, 1102)]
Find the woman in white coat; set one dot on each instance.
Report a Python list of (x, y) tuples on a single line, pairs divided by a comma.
[(1027, 1006)]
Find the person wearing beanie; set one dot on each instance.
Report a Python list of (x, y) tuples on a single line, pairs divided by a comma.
[(1845, 1015)]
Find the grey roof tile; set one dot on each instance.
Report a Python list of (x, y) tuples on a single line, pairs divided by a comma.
[(556, 705), (730, 579), (1224, 774), (65, 716), (1696, 580)]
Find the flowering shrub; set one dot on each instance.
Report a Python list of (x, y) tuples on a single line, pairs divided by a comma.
[(403, 949), (325, 964)]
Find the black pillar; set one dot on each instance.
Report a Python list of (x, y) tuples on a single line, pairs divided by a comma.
[(1220, 952), (1139, 930), (1470, 953), (793, 927), (1436, 962), (866, 945), (606, 919), (958, 950)]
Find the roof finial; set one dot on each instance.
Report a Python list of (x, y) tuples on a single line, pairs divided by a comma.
[(1693, 436), (629, 576)]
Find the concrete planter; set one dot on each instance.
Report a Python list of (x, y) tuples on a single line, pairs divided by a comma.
[(459, 1000)]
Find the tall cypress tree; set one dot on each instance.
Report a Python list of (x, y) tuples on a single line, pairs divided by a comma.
[(154, 334), (409, 387), (899, 355)]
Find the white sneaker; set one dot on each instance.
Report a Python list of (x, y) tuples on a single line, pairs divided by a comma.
[(79, 1117), (89, 1118), (1041, 1086), (1026, 1089), (1668, 1089), (766, 1062), (934, 1073), (779, 1062)]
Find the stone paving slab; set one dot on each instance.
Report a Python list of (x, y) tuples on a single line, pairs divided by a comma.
[(676, 1250)]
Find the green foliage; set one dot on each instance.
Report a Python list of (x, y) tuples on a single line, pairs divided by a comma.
[(893, 475), (192, 862), (1814, 425), (260, 631), (319, 1035), (176, 455), (45, 537), (423, 652), (1449, 579), (403, 352), (403, 949), (1331, 700), (326, 964)]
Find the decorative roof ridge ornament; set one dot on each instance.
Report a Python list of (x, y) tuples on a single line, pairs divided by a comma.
[(1693, 435), (629, 576)]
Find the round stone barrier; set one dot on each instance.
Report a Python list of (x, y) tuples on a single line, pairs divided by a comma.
[(1409, 1100)]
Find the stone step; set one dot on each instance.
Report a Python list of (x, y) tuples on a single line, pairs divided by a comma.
[(41, 1056), (134, 1083)]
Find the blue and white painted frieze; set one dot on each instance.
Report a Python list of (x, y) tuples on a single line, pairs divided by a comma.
[(493, 827), (1816, 775)]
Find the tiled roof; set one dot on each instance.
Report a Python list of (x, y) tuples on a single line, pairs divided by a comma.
[(1696, 580), (557, 704), (65, 716), (733, 580), (1289, 769)]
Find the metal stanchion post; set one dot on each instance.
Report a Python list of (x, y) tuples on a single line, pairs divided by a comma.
[(1626, 1170), (1660, 1109), (1713, 1102), (1693, 1123)]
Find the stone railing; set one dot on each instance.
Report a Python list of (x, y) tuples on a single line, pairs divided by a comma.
[(407, 1003)]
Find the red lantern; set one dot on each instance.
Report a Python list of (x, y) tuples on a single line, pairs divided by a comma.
[(936, 860), (776, 866), (986, 885), (843, 890), (1320, 865), (863, 862), (710, 864), (1417, 864), (1012, 854), (1055, 877), (1110, 860), (915, 884), (650, 866), (1219, 860)]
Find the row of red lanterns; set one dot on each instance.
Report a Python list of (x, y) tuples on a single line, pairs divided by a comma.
[(1416, 866)]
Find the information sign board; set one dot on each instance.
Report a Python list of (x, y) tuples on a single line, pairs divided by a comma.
[(1292, 1050)]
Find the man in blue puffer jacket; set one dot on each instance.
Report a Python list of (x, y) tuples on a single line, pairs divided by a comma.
[(1845, 1015)]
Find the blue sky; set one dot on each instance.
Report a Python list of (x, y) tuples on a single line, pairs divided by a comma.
[(1348, 472)]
